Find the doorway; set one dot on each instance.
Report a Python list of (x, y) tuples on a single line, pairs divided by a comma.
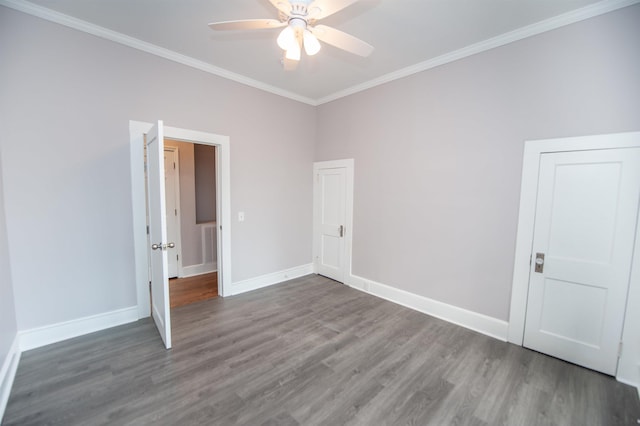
[(190, 177), (137, 130), (573, 294)]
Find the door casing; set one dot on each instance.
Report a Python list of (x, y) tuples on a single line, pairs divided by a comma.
[(628, 370), (137, 131)]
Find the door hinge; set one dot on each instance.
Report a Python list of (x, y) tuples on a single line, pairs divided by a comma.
[(177, 257), (174, 165), (619, 349), (175, 211), (147, 229), (149, 285)]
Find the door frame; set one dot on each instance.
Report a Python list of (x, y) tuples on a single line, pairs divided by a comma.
[(178, 242), (524, 241), (348, 164), (137, 130)]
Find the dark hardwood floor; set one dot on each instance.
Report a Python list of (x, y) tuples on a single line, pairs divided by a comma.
[(184, 291), (307, 352)]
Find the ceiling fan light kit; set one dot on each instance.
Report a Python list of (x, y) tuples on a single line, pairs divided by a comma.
[(298, 17), (311, 43), (293, 52)]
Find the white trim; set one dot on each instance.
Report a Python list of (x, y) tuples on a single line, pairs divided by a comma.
[(42, 336), (553, 23), (629, 362), (8, 374), (139, 215), (199, 269), (223, 193), (349, 165), (271, 279), (628, 365), (107, 34), (483, 324)]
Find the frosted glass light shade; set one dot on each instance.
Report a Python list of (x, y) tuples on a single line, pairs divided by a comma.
[(294, 52), (287, 38), (311, 43)]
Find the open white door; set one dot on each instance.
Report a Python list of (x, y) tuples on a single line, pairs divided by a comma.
[(158, 233), (585, 225)]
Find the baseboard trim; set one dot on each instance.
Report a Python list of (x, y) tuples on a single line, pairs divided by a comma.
[(42, 336), (270, 279), (484, 324), (8, 374), (199, 269)]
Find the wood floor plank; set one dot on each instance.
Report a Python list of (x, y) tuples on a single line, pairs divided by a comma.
[(308, 351), (184, 291)]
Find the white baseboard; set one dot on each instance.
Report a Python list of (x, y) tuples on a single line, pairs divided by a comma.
[(8, 373), (270, 279), (199, 269), (472, 320), (41, 336)]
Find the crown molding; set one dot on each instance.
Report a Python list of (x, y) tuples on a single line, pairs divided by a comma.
[(550, 24), (107, 34)]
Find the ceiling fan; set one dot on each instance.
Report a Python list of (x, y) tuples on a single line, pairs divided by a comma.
[(299, 17)]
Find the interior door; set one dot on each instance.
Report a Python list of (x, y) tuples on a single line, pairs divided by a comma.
[(586, 216), (171, 200), (330, 217), (158, 233)]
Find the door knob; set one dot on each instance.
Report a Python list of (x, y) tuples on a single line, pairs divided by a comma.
[(155, 246), (539, 262), (171, 245)]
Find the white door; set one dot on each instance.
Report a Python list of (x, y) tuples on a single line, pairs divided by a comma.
[(171, 198), (158, 233), (332, 207), (585, 223)]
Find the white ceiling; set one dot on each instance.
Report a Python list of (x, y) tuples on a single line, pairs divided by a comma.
[(408, 35)]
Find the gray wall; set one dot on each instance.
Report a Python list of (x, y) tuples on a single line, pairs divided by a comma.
[(67, 98), (205, 170), (438, 155), (8, 326)]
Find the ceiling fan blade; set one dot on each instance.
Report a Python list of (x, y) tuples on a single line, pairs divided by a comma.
[(282, 5), (247, 24), (328, 7), (342, 40)]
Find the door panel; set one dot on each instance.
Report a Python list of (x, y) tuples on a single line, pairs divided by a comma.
[(585, 226), (158, 233), (171, 199), (331, 213)]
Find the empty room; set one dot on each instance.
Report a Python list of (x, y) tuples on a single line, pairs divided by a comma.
[(377, 212)]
